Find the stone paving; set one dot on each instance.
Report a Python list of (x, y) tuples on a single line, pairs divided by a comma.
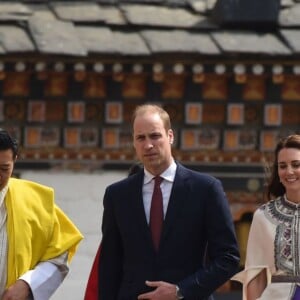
[(80, 196)]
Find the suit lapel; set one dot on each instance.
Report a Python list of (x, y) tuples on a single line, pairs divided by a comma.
[(138, 206), (177, 197), (178, 194)]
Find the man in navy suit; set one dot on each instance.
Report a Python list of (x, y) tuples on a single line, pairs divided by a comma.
[(197, 249)]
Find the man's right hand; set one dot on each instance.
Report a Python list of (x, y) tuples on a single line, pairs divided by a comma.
[(20, 290)]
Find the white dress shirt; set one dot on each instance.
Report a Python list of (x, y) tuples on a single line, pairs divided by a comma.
[(166, 186)]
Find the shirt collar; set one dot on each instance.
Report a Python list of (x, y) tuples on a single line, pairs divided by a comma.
[(168, 174), (3, 194)]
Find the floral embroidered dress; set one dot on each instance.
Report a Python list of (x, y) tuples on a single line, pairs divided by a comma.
[(274, 245)]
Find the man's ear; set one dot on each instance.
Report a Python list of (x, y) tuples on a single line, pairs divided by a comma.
[(171, 136)]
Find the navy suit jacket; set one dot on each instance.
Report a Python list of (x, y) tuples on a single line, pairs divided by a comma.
[(198, 249)]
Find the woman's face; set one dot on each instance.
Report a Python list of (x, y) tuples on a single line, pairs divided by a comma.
[(289, 171)]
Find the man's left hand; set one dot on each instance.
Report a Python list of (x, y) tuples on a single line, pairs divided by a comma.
[(163, 291)]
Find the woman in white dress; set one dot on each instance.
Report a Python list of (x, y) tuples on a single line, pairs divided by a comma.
[(272, 268)]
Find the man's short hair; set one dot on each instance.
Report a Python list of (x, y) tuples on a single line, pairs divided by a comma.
[(8, 142)]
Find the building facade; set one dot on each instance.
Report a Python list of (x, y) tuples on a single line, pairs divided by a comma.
[(72, 72)]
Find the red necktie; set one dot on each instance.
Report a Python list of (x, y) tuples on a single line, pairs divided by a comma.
[(156, 212)]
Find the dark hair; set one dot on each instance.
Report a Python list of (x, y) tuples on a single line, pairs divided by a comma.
[(7, 142), (275, 188)]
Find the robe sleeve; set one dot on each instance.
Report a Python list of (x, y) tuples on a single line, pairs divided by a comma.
[(260, 251)]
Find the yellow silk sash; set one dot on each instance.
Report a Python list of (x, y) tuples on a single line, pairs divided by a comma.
[(37, 229)]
